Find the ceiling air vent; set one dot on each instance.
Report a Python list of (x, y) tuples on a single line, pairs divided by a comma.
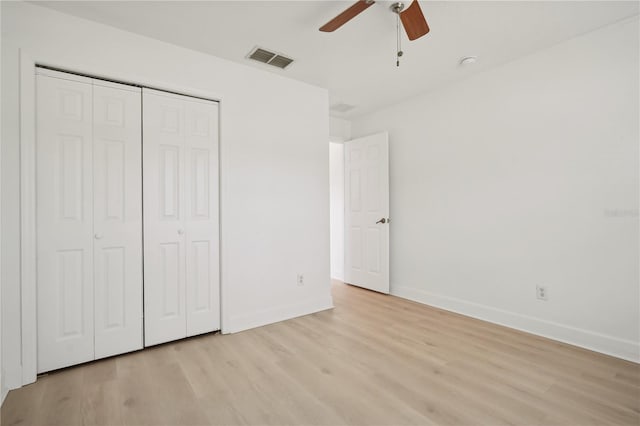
[(280, 61), (267, 57), (341, 107)]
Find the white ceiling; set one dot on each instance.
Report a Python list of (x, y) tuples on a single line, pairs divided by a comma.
[(357, 62)]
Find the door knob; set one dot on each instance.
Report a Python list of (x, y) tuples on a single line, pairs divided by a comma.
[(98, 236), (383, 220), (180, 231)]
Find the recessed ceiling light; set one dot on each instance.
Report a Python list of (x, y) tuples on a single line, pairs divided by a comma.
[(468, 60)]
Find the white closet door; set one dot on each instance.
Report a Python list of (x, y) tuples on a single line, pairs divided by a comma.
[(64, 222), (201, 196), (164, 239), (117, 181), (181, 216)]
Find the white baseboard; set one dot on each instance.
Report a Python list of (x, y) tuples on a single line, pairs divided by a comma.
[(277, 314), (609, 345), (12, 379), (5, 385)]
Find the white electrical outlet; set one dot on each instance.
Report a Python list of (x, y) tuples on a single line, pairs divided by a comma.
[(541, 292), (300, 280)]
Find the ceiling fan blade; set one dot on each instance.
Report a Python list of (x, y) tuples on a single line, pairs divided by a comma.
[(346, 16), (413, 21)]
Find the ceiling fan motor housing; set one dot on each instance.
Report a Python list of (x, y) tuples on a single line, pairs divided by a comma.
[(397, 7)]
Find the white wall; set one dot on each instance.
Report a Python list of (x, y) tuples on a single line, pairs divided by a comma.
[(274, 163), (339, 132), (9, 220), (525, 175), (336, 215), (339, 129), (3, 392)]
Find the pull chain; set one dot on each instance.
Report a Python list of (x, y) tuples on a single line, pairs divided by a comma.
[(398, 40)]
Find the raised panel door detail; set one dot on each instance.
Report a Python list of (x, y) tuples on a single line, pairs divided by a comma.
[(356, 248), (199, 124), (70, 291), (71, 104), (373, 189), (169, 181), (114, 179), (200, 184), (373, 153), (114, 283), (170, 119), (171, 279), (201, 265), (373, 250), (114, 111), (70, 181), (354, 191)]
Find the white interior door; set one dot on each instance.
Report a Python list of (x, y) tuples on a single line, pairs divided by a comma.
[(367, 212), (202, 222), (164, 240), (180, 183), (117, 213), (64, 151)]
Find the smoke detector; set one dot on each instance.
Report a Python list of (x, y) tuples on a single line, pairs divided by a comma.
[(468, 60), (342, 107)]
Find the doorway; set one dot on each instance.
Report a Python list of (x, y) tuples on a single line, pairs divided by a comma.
[(359, 211)]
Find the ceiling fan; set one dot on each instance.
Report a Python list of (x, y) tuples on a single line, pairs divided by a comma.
[(412, 19)]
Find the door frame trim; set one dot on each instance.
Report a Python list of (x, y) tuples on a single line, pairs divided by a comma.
[(28, 238)]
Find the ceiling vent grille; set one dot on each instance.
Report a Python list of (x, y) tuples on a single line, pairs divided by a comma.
[(262, 55), (281, 61), (267, 57)]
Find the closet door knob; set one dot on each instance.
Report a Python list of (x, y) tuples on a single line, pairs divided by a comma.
[(98, 236), (180, 231)]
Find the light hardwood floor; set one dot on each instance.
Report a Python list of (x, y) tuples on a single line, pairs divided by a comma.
[(373, 360)]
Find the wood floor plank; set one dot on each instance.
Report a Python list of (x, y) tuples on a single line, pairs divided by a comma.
[(63, 398), (372, 360), (19, 407), (101, 405)]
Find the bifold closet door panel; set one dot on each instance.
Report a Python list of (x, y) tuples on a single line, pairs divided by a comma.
[(164, 239), (117, 218), (202, 222), (181, 229), (64, 222)]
